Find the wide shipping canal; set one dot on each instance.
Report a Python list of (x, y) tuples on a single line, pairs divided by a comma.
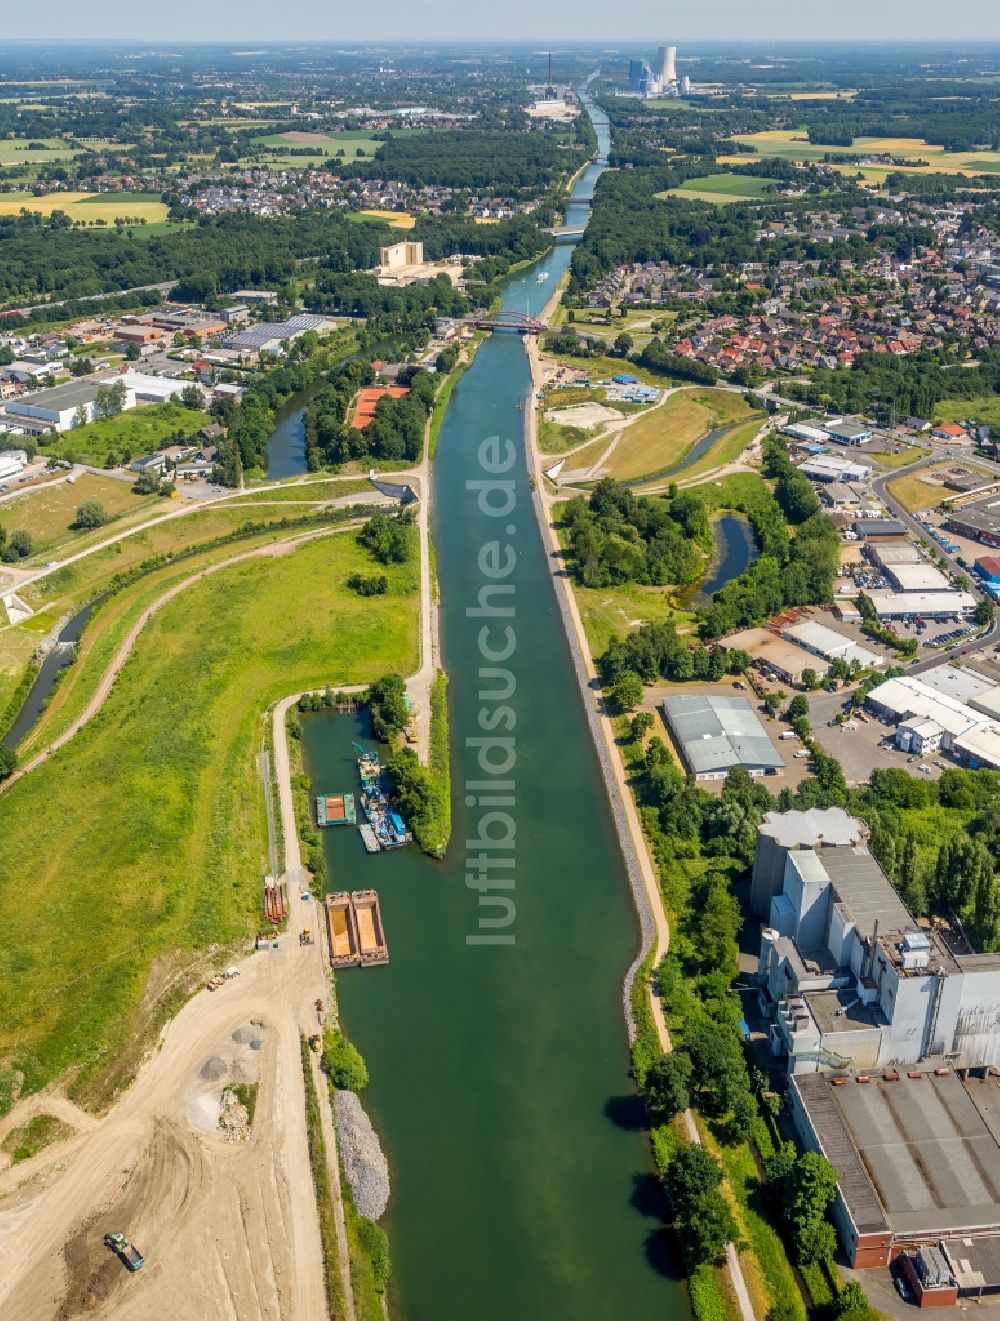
[(521, 1187)]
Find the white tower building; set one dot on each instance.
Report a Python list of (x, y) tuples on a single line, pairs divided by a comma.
[(666, 64)]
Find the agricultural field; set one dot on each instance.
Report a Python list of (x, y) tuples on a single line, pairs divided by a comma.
[(793, 144), (15, 151), (135, 432), (135, 208), (163, 853), (48, 511), (663, 436), (353, 145), (395, 219), (723, 188)]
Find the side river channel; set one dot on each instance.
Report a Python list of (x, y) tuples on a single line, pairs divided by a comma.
[(522, 1188)]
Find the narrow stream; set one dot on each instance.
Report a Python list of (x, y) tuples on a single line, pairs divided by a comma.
[(522, 1182), (62, 655)]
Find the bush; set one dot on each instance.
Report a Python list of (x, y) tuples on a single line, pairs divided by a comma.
[(374, 1244), (344, 1063), (91, 514), (388, 708), (375, 584)]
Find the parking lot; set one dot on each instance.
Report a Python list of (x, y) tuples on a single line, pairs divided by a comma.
[(864, 743)]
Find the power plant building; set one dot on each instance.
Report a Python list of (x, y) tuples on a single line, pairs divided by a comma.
[(666, 64), (846, 975)]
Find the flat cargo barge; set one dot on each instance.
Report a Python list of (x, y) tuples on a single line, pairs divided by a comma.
[(335, 810), (354, 929)]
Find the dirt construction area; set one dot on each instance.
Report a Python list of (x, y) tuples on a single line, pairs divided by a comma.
[(583, 415), (227, 1222)]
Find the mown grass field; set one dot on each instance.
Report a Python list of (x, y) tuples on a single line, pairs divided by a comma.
[(663, 435), (133, 207), (138, 430), (48, 511), (723, 188), (111, 622), (156, 849), (907, 454), (793, 144), (607, 612), (915, 493)]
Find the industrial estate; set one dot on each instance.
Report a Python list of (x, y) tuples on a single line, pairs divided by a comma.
[(499, 568)]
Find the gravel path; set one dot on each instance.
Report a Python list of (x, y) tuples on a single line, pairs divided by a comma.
[(365, 1164)]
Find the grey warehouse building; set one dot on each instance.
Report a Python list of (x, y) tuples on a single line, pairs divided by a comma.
[(713, 734)]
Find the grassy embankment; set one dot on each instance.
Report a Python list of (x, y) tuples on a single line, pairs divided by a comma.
[(326, 488), (656, 445), (146, 582), (137, 431), (324, 1194), (156, 849), (39, 1132), (443, 397), (984, 409), (440, 755)]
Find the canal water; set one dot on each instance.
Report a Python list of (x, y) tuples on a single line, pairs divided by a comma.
[(521, 1180)]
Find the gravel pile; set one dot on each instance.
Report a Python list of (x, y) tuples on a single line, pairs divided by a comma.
[(365, 1165)]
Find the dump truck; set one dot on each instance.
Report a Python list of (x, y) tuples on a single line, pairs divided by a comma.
[(128, 1254), (306, 936), (316, 1043), (217, 981)]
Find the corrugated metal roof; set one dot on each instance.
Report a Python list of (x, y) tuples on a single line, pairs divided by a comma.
[(716, 733), (913, 1152)]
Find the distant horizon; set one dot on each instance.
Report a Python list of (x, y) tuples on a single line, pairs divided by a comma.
[(435, 22)]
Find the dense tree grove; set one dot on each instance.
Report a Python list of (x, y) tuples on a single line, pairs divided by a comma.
[(387, 707), (911, 385), (49, 258), (395, 432), (467, 158), (618, 537), (791, 570), (358, 294)]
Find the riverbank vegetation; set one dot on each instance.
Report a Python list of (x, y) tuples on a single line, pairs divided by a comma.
[(320, 1167), (165, 849)]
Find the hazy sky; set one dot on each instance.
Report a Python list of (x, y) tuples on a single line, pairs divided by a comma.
[(512, 20)]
